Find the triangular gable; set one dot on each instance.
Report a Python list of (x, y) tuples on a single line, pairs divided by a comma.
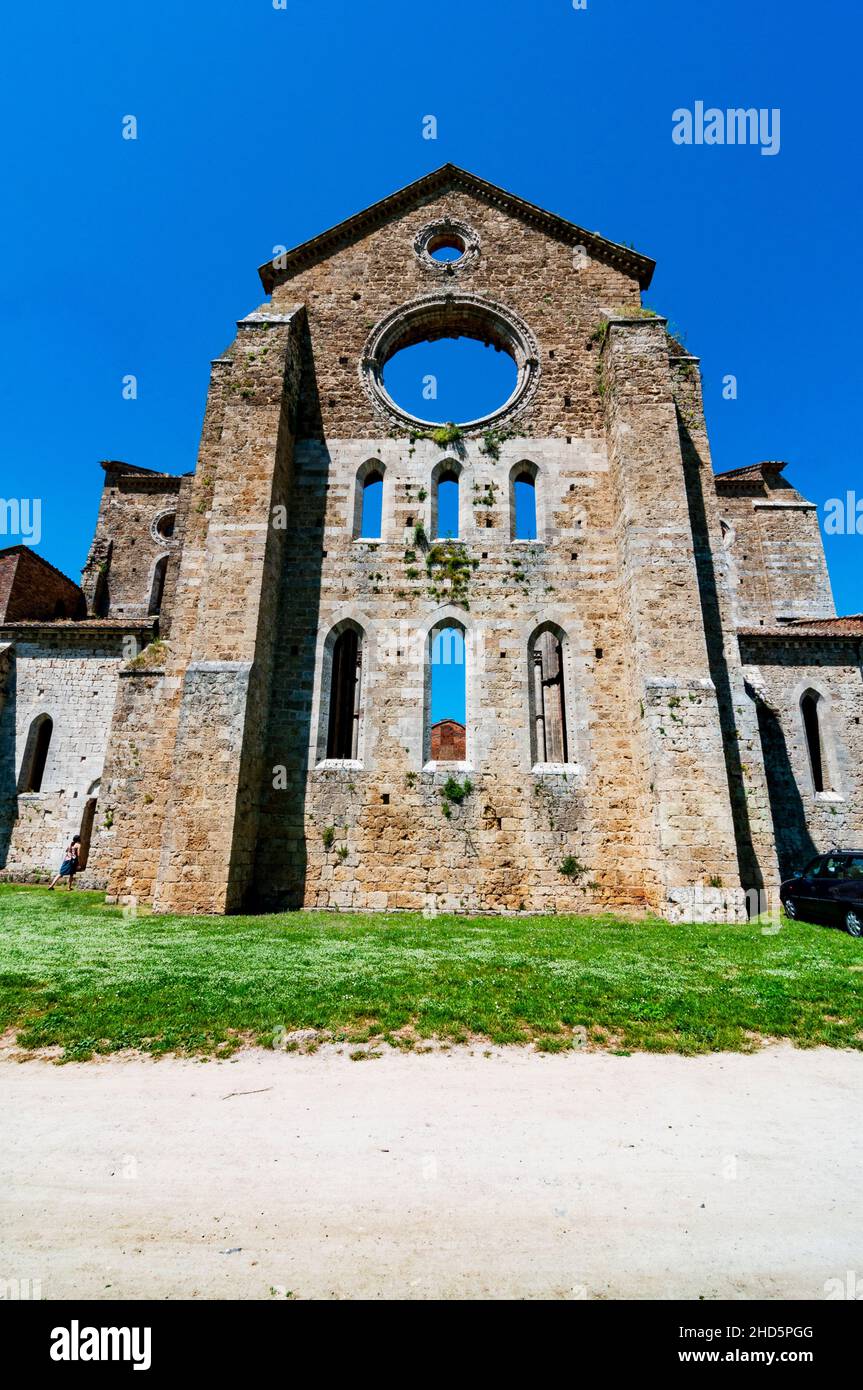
[(443, 180)]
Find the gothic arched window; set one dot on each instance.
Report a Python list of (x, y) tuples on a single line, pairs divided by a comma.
[(549, 737), (345, 670), (811, 710)]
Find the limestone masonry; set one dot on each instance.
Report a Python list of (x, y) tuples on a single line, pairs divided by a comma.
[(234, 709)]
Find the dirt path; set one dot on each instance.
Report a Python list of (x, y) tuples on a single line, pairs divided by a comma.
[(444, 1175)]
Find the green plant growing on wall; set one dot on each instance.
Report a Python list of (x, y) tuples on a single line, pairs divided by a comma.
[(154, 654), (328, 835), (453, 793), (446, 434), (342, 852), (492, 440), (422, 494), (420, 537), (449, 570), (599, 334), (450, 433), (571, 868)]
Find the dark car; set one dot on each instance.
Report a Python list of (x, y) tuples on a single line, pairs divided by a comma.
[(830, 890)]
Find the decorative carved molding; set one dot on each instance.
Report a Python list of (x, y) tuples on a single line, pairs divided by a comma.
[(447, 231)]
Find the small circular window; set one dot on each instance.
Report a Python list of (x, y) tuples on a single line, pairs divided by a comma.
[(444, 247), (163, 527)]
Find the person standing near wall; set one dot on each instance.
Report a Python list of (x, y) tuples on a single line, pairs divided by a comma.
[(69, 867)]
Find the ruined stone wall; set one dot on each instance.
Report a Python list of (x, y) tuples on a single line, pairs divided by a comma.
[(561, 293), (680, 732), (779, 671), (175, 552), (743, 755), (70, 675), (219, 791), (504, 845), (127, 542), (136, 781), (775, 552), (198, 702)]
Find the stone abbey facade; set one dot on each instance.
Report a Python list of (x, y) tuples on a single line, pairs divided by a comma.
[(234, 707)]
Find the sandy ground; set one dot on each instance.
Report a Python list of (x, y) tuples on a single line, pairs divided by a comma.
[(446, 1175)]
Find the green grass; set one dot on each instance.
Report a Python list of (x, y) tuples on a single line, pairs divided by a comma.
[(80, 976)]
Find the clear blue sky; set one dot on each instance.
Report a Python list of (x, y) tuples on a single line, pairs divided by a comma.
[(259, 127)]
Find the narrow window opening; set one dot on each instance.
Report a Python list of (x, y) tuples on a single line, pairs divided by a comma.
[(549, 701), (448, 706), (447, 506), (344, 720), (86, 831), (525, 508), (809, 706), (372, 508), (36, 754), (157, 589)]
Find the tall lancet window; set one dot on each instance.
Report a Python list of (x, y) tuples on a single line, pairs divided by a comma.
[(372, 507), (344, 717), (811, 708)]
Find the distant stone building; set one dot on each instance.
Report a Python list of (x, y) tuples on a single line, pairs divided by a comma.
[(660, 698)]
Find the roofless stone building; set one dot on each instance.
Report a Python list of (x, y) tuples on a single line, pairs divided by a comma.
[(659, 696)]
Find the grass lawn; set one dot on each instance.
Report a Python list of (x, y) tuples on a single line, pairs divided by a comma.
[(78, 975)]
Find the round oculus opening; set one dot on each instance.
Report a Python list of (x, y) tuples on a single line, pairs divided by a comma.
[(456, 378), (450, 357), (446, 248), (164, 525)]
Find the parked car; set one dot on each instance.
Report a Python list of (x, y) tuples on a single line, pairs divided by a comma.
[(830, 890)]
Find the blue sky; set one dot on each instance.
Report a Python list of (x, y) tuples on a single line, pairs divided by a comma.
[(259, 127)]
